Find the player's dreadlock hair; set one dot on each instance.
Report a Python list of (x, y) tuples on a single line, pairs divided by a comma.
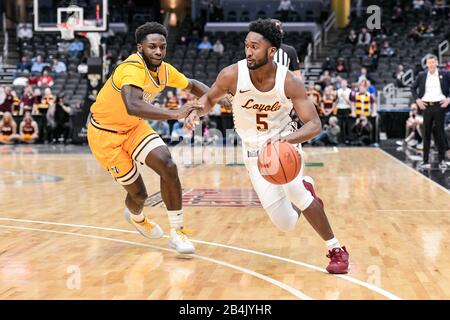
[(149, 28), (269, 30)]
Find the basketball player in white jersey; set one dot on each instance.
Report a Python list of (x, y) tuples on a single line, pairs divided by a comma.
[(264, 94)]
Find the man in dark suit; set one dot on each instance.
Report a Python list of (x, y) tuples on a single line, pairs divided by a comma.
[(431, 90)]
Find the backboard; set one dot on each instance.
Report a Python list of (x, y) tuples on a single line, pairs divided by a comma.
[(82, 15)]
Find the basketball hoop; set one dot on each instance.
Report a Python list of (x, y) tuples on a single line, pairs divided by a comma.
[(70, 21)]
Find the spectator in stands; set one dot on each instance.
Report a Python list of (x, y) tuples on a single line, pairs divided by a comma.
[(59, 66), (328, 103), (429, 32), (162, 128), (47, 101), (363, 103), (413, 126), (335, 80), (45, 80), (218, 47), (29, 131), (194, 36), (24, 32), (325, 79), (414, 34), (179, 132), (26, 103), (62, 120), (285, 7), (7, 103), (33, 79), (421, 28), (398, 76), (76, 48), (8, 129), (327, 64), (315, 97), (352, 38), (37, 100), (364, 37), (372, 51), (38, 65), (83, 67), (387, 50), (362, 132), (341, 65), (330, 134), (363, 76), (397, 15), (171, 102), (344, 108), (23, 66), (63, 47), (205, 44)]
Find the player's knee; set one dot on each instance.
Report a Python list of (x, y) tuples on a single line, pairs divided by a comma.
[(170, 171), (284, 218)]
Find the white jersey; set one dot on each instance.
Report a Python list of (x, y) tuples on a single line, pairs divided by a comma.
[(260, 116)]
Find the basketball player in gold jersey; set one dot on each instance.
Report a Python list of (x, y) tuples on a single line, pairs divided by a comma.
[(120, 138)]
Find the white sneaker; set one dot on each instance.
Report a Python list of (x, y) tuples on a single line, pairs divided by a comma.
[(419, 146), (146, 228), (180, 242), (412, 143), (400, 142)]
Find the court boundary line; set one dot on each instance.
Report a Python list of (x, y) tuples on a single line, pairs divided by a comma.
[(368, 286), (415, 171), (255, 274)]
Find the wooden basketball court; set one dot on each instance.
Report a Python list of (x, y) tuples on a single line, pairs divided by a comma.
[(63, 235)]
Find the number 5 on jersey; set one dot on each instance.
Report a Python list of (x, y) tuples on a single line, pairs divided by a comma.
[(261, 124)]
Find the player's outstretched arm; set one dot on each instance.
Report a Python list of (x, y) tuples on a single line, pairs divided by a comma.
[(136, 106), (295, 90), (225, 83), (197, 88)]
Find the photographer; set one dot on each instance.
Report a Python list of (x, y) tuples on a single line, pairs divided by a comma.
[(361, 132)]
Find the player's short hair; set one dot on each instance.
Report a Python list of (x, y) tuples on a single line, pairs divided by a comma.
[(431, 56), (149, 28), (269, 30)]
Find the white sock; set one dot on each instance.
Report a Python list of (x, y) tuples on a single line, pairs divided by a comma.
[(175, 219), (332, 243), (136, 217)]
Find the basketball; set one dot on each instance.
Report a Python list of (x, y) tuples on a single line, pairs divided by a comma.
[(279, 162)]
